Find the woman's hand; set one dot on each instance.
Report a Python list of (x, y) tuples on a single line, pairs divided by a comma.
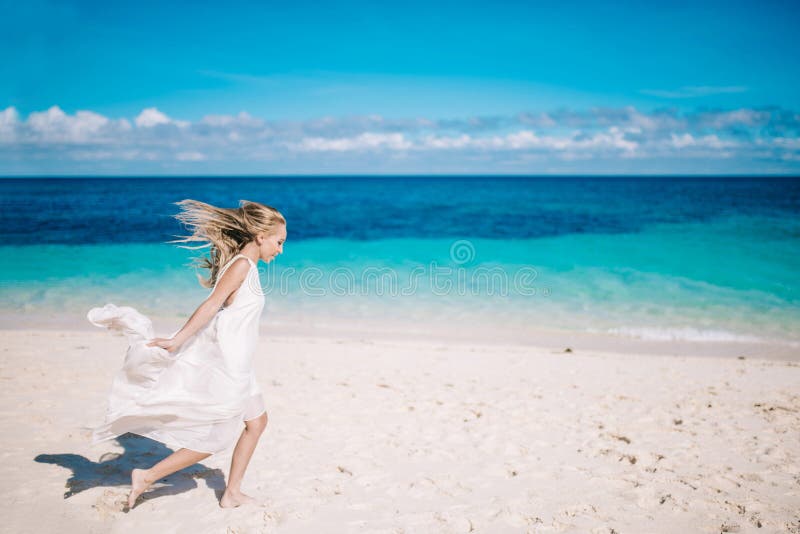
[(170, 345)]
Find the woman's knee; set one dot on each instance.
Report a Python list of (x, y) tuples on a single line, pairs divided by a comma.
[(258, 424)]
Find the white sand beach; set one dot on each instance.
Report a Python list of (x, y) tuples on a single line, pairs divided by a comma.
[(425, 436)]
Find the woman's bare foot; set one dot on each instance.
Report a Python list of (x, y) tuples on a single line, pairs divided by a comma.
[(139, 483), (232, 499)]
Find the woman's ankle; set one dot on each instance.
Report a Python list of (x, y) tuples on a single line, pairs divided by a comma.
[(148, 476)]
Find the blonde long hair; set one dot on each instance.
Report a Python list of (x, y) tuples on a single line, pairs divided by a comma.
[(225, 230)]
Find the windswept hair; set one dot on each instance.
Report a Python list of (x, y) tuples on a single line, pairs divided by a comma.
[(225, 230)]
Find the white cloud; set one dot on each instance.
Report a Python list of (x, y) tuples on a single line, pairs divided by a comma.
[(190, 156), (54, 126), (150, 117), (707, 141), (461, 141), (644, 122), (738, 117), (541, 120), (9, 118), (684, 140), (226, 121), (789, 143), (607, 134), (365, 141), (528, 140), (613, 139)]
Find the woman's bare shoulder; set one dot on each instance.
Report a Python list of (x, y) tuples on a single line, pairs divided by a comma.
[(238, 269), (235, 273)]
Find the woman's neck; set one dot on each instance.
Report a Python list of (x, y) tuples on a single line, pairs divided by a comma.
[(251, 250)]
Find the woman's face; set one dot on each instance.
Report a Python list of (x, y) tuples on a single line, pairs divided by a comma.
[(272, 244)]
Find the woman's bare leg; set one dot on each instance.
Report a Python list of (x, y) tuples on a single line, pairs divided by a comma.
[(141, 479), (233, 495)]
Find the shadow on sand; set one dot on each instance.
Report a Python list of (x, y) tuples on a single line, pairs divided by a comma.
[(114, 469)]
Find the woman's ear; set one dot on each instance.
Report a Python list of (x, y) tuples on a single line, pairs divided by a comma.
[(259, 239)]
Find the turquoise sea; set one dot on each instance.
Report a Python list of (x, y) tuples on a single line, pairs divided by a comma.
[(695, 259)]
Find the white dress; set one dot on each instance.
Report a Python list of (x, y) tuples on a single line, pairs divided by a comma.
[(198, 396)]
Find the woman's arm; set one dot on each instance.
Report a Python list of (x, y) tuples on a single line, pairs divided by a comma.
[(231, 281)]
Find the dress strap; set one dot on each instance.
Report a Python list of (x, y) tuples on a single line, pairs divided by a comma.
[(231, 262)]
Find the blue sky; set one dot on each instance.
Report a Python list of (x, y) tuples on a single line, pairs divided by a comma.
[(245, 87)]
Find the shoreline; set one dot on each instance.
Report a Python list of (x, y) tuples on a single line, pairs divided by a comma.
[(554, 340)]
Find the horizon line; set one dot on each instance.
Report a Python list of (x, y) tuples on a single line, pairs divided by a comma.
[(408, 175)]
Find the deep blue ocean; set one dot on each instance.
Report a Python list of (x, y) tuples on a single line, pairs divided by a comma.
[(657, 258)]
